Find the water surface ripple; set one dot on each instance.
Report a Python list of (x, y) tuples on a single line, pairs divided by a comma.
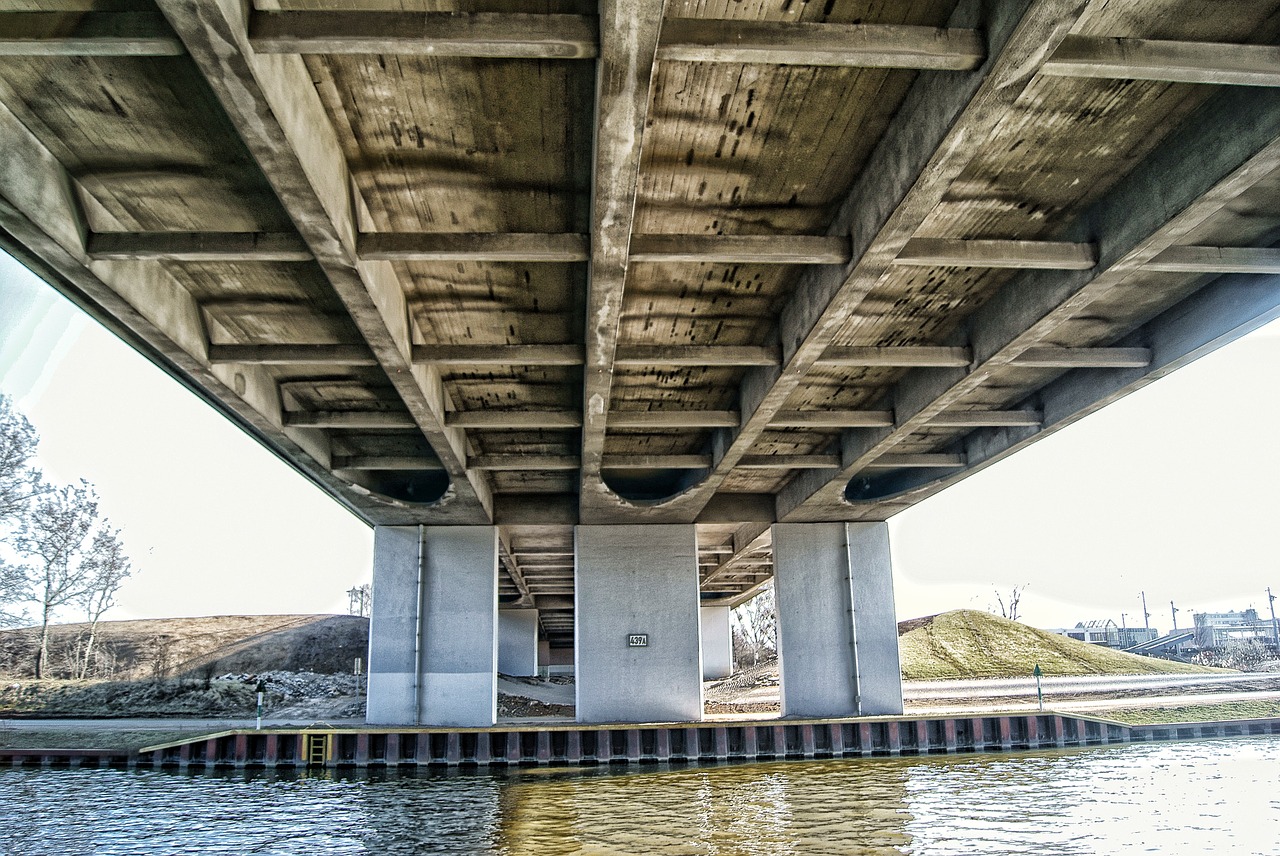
[(1207, 796)]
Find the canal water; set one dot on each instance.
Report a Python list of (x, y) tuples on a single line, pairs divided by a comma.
[(1210, 796)]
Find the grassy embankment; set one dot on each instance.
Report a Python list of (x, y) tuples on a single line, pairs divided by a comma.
[(966, 643)]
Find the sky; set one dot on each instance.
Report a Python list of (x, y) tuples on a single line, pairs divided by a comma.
[(1171, 491)]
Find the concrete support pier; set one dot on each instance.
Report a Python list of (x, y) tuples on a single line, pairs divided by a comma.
[(433, 631), (518, 642), (717, 643), (638, 656), (837, 631)]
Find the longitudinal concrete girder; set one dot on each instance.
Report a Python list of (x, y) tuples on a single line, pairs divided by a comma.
[(624, 76), (1217, 157), (942, 124), (646, 265), (271, 101)]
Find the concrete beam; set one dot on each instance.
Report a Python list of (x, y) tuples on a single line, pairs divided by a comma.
[(513, 420), (379, 419), (511, 564), (696, 355), (87, 34), (902, 355), (1178, 62), (796, 43), (408, 463), (657, 462), (498, 355), (1220, 313), (833, 419), (742, 249), (673, 419), (918, 461), (199, 246), (1074, 358), (292, 355), (1217, 260), (788, 462), (988, 419), (43, 225), (943, 123), (624, 81), (514, 35), (1228, 145), (948, 252), (449, 247), (272, 103)]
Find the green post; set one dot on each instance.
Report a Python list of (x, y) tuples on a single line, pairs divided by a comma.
[(1039, 692)]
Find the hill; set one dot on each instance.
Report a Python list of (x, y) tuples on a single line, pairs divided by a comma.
[(180, 647), (965, 643)]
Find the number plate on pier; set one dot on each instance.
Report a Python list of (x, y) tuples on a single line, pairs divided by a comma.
[(638, 640)]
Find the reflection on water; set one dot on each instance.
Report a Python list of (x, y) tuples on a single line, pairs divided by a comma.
[(1201, 797)]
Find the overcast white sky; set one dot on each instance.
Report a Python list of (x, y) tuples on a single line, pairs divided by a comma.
[(1172, 490)]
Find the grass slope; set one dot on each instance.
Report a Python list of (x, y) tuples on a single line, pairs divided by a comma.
[(228, 643), (965, 643)]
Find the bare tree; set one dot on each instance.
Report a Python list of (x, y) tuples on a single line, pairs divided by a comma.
[(1010, 610), (13, 589), (20, 482), (358, 600), (756, 622), (52, 536), (105, 567)]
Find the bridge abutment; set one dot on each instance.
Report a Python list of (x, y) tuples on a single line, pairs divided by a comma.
[(837, 631)]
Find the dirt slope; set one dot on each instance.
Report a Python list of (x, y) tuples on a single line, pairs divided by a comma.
[(187, 646), (969, 644)]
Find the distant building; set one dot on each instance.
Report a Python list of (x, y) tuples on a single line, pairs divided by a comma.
[(1107, 632), (1219, 629)]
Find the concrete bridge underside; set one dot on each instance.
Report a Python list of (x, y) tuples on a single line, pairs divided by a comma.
[(755, 275)]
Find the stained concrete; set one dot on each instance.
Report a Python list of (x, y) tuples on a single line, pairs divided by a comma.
[(518, 642), (637, 580), (460, 626), (393, 624), (837, 631), (717, 642), (433, 634)]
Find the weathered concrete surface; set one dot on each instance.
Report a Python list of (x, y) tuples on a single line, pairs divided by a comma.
[(637, 580), (717, 642), (433, 634), (460, 626), (393, 627), (518, 642), (837, 632)]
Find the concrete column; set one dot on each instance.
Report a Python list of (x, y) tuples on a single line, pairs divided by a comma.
[(433, 632), (393, 623), (837, 630), (637, 581), (518, 642), (717, 642)]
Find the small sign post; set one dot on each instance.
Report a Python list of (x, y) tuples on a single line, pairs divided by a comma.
[(262, 688), (638, 640), (1039, 692)]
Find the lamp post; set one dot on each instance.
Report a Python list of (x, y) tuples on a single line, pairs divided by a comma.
[(1275, 631)]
